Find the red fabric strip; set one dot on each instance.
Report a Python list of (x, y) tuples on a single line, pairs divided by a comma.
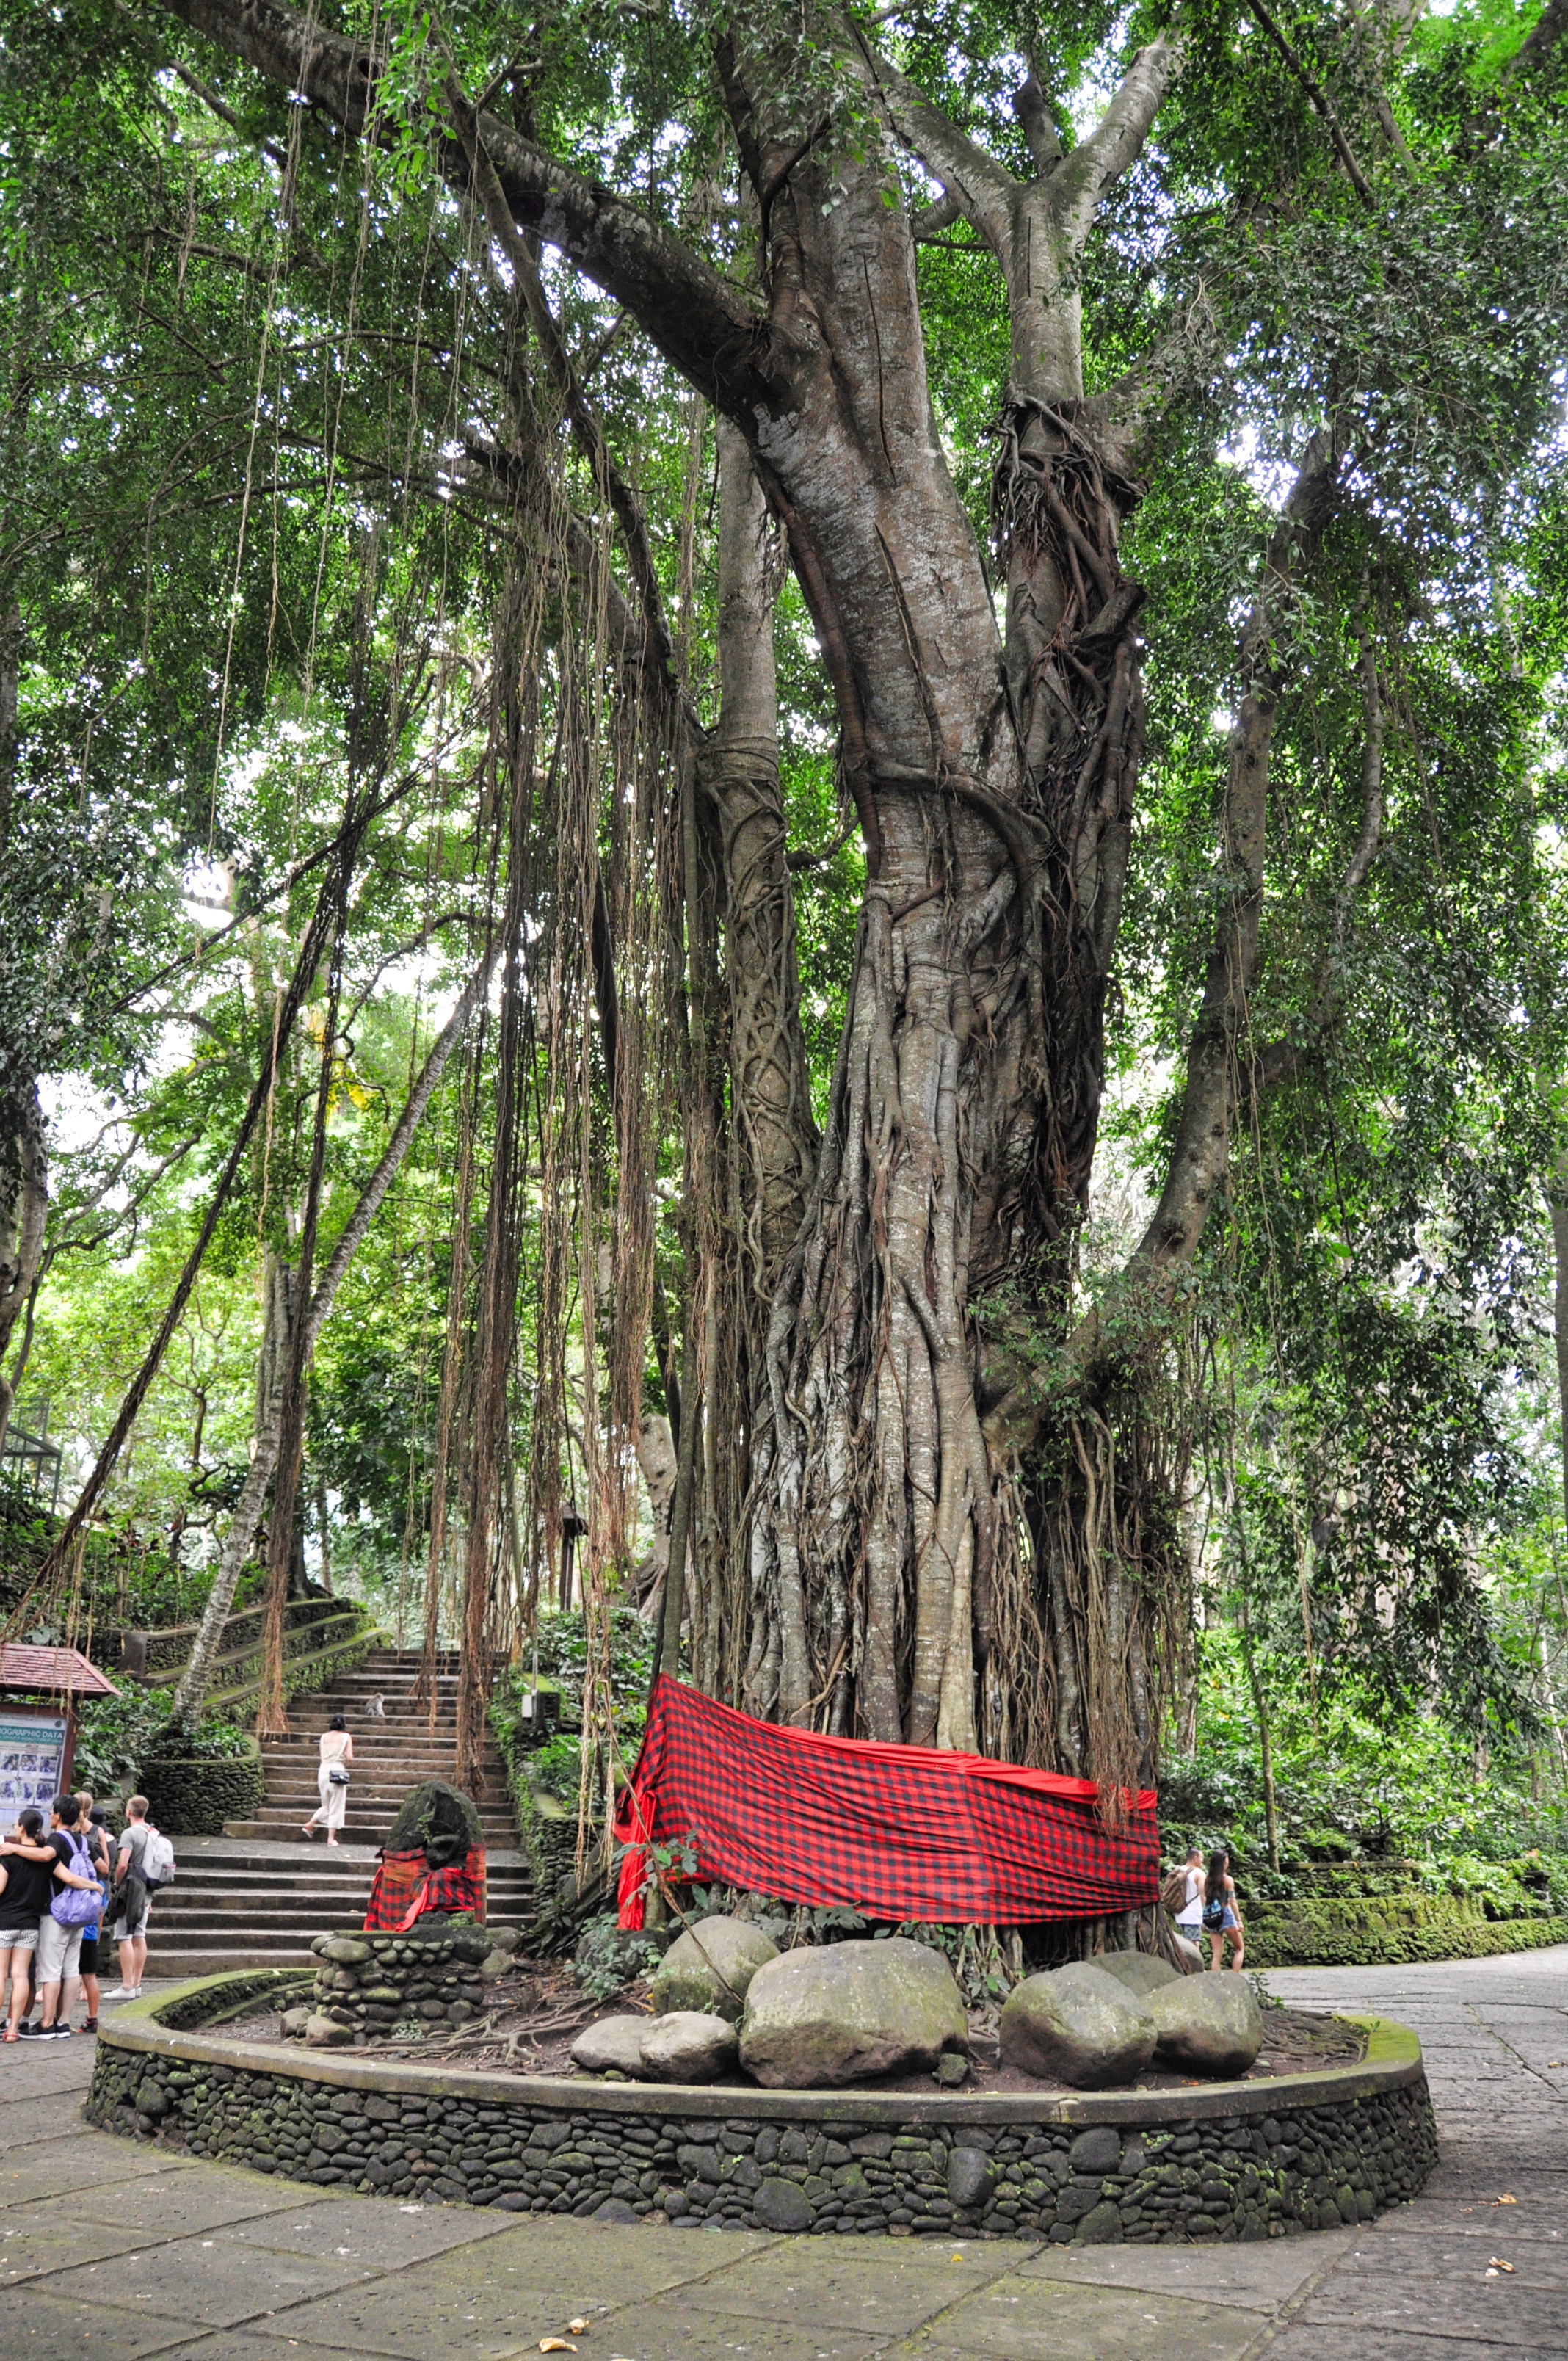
[(896, 1832)]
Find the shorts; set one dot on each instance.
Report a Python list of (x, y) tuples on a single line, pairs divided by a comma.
[(60, 1950), (1233, 1924), (132, 1920), (88, 1964), (19, 1939)]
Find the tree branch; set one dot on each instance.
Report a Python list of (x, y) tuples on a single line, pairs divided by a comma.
[(587, 426), (1319, 98), (926, 226), (214, 105), (698, 320), (977, 185), (1038, 125), (1116, 141)]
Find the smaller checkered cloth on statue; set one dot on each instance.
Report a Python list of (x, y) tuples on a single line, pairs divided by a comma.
[(433, 1860), (407, 1888)]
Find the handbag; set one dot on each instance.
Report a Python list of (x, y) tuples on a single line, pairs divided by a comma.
[(336, 1776), (78, 1906)]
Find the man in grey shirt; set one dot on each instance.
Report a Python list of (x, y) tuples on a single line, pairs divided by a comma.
[(135, 1901)]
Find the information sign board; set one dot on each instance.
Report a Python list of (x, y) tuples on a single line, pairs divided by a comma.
[(32, 1758)]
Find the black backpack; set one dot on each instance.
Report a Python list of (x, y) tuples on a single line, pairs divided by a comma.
[(1215, 1914)]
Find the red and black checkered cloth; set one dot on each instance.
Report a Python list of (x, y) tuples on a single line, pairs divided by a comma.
[(895, 1832), (406, 1886)]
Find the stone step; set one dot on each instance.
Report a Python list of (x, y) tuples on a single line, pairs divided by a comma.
[(353, 1832), (233, 1907), (385, 1779), (237, 1899), (287, 1813)]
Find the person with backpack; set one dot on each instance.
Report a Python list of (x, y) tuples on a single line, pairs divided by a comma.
[(1183, 1894), (144, 1862), (73, 1906), (95, 1826), (1221, 1915), (27, 1885)]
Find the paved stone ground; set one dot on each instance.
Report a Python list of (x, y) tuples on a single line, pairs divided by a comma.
[(111, 2249), (1421, 2281)]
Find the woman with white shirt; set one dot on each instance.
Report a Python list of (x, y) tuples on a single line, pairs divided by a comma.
[(1189, 1918), (331, 1779)]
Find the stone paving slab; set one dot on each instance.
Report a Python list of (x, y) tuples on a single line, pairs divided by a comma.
[(48, 2237), (25, 2122), (1380, 2345), (1257, 2278), (1010, 2323), (880, 2287), (55, 2168), (1414, 2285), (356, 2229), (674, 2331), (202, 2279), (44, 2327), (1447, 2261)]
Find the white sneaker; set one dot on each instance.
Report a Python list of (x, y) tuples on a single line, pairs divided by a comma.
[(123, 1991)]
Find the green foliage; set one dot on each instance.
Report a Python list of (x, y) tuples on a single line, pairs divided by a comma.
[(1369, 1801), (606, 1958), (116, 1736)]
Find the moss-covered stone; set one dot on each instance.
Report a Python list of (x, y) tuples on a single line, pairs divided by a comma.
[(1392, 1930)]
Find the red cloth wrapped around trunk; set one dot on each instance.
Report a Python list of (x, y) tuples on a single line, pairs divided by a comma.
[(895, 1832)]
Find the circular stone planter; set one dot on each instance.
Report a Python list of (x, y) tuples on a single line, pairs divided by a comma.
[(1227, 2160)]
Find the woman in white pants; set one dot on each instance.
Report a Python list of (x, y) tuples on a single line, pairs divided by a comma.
[(337, 1753)]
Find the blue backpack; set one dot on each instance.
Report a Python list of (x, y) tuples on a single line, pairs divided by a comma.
[(78, 1906)]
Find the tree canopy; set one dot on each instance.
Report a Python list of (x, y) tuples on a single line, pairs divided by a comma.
[(817, 755)]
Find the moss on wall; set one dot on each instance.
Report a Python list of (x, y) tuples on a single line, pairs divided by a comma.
[(1391, 1930), (193, 1797)]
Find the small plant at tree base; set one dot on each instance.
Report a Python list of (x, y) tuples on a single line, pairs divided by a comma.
[(608, 1956)]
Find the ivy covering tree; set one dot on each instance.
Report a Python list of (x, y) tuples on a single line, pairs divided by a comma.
[(870, 709)]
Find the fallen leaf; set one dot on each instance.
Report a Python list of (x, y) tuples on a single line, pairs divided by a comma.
[(1552, 2062), (556, 2344), (1507, 2200), (578, 2327), (1498, 2264), (1491, 2274)]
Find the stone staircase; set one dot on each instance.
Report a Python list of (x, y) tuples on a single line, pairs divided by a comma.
[(254, 1897)]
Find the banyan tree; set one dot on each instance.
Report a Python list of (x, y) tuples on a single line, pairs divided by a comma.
[(928, 1472)]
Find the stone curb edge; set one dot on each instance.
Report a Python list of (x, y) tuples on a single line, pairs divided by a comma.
[(1393, 2060)]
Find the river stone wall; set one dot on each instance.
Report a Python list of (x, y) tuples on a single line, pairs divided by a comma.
[(819, 2165), (367, 1985)]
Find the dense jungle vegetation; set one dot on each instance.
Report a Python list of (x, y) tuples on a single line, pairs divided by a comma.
[(782, 800)]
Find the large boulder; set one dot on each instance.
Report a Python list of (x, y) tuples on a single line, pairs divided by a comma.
[(847, 2011), (1209, 2024), (1189, 1954), (613, 2046), (711, 1968), (688, 2046), (1079, 2025), (1138, 1972)]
